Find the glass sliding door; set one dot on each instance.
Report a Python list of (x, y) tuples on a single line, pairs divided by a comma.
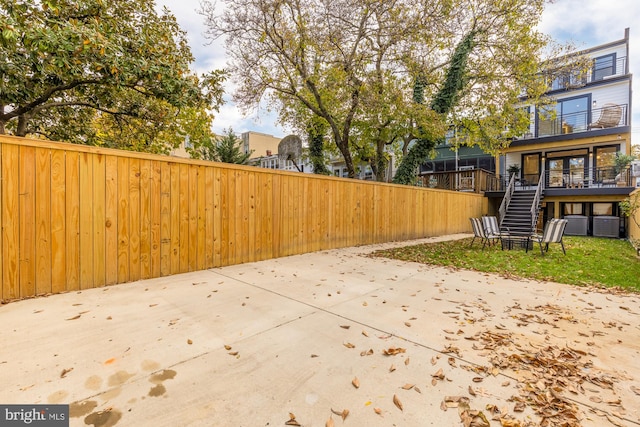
[(531, 168), (555, 173), (576, 172)]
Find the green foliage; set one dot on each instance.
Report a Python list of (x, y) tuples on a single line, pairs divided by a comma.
[(357, 64), (316, 131), (589, 261), (68, 64), (442, 103), (226, 148), (622, 161), (457, 77)]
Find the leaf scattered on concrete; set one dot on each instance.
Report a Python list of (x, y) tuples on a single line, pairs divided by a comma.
[(392, 351), (292, 420), (397, 402)]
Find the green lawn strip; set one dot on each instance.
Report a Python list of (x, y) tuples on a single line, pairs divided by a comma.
[(589, 261)]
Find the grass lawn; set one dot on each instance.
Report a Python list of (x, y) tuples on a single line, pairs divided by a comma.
[(589, 260)]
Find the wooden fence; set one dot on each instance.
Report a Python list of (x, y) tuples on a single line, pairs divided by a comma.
[(76, 217), (634, 228)]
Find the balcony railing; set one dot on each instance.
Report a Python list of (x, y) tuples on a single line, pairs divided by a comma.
[(480, 180), (601, 71), (577, 178), (473, 180), (608, 116)]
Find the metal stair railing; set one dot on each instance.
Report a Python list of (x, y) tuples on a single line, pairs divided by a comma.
[(536, 203), (507, 198)]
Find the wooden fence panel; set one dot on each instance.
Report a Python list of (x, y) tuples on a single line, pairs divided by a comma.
[(76, 217), (99, 220), (58, 222), (43, 221)]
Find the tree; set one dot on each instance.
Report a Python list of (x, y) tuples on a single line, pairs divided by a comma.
[(69, 65), (446, 98), (353, 63), (226, 149), (319, 54)]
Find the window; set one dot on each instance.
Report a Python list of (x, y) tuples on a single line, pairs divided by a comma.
[(573, 209), (604, 66), (602, 209), (531, 167), (569, 79), (566, 116)]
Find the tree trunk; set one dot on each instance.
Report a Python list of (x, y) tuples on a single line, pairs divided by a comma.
[(22, 125)]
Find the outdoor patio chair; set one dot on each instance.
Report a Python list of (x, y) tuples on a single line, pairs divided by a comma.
[(609, 117), (478, 231), (491, 229), (553, 232)]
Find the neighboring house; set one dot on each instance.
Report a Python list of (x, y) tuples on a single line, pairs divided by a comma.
[(274, 161), (573, 144), (181, 150), (260, 143)]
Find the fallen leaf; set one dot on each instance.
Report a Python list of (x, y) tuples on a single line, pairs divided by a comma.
[(397, 402), (356, 382), (406, 361), (227, 347), (377, 411), (345, 326), (233, 353), (74, 317), (329, 422), (365, 334), (407, 324), (344, 414), (292, 420), (367, 353), (392, 368), (635, 389), (65, 372), (349, 345), (417, 389), (314, 355), (392, 351), (408, 386), (189, 342)]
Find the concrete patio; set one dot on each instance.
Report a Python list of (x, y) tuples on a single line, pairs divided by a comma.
[(299, 340)]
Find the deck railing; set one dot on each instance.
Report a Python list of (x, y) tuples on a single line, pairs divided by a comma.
[(473, 180), (480, 180)]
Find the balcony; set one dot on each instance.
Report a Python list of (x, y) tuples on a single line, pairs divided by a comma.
[(603, 69), (588, 181), (566, 182), (610, 116)]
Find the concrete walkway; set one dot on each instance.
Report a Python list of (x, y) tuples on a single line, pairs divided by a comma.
[(286, 342)]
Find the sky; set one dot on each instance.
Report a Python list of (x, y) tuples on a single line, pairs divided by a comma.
[(585, 23)]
